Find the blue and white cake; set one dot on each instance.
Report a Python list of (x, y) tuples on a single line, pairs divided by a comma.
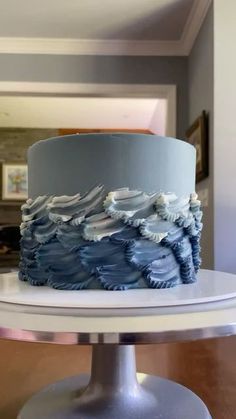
[(111, 211)]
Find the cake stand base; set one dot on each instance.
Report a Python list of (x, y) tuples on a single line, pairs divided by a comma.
[(114, 391)]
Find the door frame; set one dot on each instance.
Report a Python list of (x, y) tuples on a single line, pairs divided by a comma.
[(157, 91)]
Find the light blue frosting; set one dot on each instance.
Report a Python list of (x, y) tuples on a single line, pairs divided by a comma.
[(125, 239)]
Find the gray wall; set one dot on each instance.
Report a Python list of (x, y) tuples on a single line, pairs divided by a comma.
[(200, 97), (102, 69)]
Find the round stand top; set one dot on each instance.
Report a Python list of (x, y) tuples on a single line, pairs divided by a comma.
[(121, 325)]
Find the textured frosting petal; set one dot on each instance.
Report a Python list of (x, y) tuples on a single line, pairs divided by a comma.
[(43, 229), (155, 229), (187, 271), (196, 249), (109, 263), (77, 281), (70, 236), (64, 268), (131, 206), (33, 209), (97, 254), (141, 253), (53, 256), (74, 209), (34, 274), (119, 277), (163, 273), (171, 208), (100, 225), (127, 235), (29, 245)]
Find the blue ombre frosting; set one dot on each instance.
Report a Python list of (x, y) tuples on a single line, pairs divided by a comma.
[(121, 240)]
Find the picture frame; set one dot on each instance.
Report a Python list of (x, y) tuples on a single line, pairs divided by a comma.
[(197, 135), (14, 181)]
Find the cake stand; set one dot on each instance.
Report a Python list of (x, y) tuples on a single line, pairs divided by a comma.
[(114, 390)]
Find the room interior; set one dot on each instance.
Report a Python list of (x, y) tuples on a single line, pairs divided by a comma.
[(149, 67)]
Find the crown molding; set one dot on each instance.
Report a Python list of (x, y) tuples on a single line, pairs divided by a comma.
[(193, 24), (64, 46), (61, 46)]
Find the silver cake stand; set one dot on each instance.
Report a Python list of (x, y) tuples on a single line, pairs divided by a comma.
[(114, 390)]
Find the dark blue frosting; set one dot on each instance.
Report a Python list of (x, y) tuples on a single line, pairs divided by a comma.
[(128, 239)]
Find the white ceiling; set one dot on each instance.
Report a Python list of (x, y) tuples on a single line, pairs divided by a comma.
[(95, 19), (105, 27), (92, 112)]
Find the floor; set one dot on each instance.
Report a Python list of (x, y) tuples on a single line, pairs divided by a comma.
[(207, 367)]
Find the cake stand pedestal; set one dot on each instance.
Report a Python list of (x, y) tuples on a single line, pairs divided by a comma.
[(114, 390)]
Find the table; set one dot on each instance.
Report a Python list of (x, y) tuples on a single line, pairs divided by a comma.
[(114, 390)]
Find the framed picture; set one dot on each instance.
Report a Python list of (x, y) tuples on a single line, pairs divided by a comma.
[(197, 135), (14, 181)]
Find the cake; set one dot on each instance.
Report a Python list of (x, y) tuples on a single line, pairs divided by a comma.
[(111, 211)]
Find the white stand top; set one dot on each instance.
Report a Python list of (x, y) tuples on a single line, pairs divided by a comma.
[(202, 310)]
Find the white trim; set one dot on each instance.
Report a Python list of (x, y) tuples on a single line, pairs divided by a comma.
[(164, 91), (63, 46), (148, 90), (193, 24)]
